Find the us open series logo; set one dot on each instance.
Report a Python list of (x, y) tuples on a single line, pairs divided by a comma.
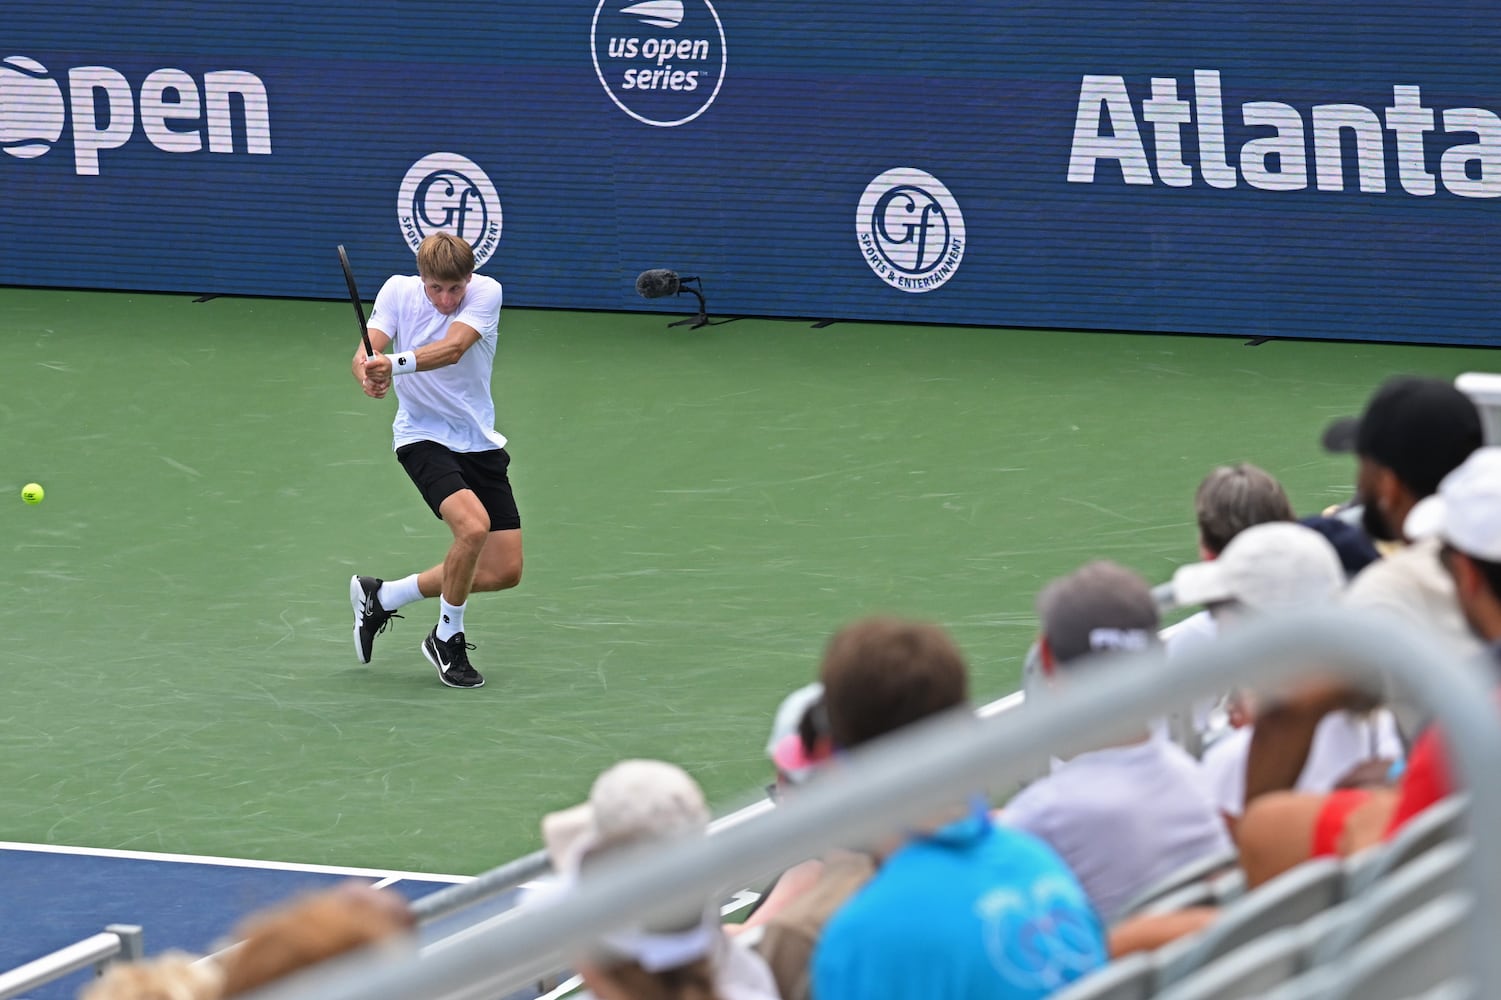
[(661, 61), (910, 229), (449, 193)]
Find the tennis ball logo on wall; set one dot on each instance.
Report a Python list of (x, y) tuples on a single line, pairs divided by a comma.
[(177, 113), (661, 61), (446, 192), (31, 108), (910, 229)]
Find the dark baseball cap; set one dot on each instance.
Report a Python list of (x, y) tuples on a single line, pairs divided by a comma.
[(1100, 608), (1420, 428), (1355, 548)]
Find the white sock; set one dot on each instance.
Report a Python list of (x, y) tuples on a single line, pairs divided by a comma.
[(394, 593), (451, 620)]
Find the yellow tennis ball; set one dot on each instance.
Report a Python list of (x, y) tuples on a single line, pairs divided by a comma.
[(33, 493)]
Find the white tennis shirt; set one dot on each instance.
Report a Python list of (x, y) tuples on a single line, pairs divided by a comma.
[(451, 406)]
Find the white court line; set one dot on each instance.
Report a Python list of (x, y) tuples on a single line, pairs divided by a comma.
[(388, 875), (200, 859)]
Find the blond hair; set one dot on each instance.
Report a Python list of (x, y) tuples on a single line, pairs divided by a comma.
[(445, 257), (173, 975), (309, 930)]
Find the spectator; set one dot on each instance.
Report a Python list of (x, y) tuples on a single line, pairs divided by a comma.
[(793, 915), (686, 958), (1125, 815), (1354, 547), (799, 736), (799, 742), (1414, 431), (959, 908), (173, 975), (1266, 569), (1464, 519), (1229, 500), (311, 929)]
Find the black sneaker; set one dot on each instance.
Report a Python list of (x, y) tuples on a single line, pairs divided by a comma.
[(451, 658), (369, 617)]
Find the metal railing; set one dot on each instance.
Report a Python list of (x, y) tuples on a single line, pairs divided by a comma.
[(117, 942), (901, 779), (123, 942), (535, 865)]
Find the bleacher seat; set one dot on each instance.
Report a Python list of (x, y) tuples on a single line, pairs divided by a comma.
[(1228, 886), (1435, 873), (1130, 977), (1434, 825), (1175, 881), (1290, 898), (1269, 960), (1315, 984), (1200, 893), (1421, 952)]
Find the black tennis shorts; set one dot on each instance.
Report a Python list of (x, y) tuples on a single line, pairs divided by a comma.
[(440, 473)]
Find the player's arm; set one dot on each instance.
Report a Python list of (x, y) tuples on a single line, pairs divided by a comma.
[(374, 387), (439, 354)]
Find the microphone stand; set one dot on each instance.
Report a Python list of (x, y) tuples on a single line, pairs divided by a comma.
[(702, 319)]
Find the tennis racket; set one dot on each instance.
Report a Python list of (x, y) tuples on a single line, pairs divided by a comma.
[(354, 297)]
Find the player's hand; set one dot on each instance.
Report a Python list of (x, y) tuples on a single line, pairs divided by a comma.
[(378, 368), (376, 389)]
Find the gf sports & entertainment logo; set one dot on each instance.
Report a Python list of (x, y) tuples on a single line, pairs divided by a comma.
[(911, 230), (661, 61), (178, 114), (449, 193)]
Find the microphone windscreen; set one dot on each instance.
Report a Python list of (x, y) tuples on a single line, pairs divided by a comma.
[(656, 283)]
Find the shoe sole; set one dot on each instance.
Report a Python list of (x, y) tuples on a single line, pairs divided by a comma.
[(357, 601), (427, 654)]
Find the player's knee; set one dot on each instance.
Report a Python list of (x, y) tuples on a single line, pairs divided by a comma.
[(502, 578), (472, 529)]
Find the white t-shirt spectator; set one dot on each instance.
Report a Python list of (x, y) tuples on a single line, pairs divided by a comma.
[(1193, 634), (1413, 586), (1342, 742), (1122, 818)]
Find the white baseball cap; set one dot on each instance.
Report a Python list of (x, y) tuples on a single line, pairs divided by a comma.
[(1466, 510), (790, 714), (634, 801), (1267, 567)]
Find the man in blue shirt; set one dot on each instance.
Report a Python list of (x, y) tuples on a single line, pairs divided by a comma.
[(959, 909)]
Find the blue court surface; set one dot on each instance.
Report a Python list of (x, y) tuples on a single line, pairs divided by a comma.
[(56, 896)]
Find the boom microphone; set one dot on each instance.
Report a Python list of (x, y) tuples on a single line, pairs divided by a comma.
[(657, 283)]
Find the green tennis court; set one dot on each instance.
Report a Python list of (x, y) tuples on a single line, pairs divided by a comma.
[(701, 509)]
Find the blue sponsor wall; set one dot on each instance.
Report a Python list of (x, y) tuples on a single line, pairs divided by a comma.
[(1310, 169)]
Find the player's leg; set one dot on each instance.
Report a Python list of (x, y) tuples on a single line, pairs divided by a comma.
[(499, 567), (470, 524), (435, 471), (444, 646), (496, 566), (486, 478), (500, 563)]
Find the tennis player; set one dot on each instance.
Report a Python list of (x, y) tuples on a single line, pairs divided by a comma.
[(441, 326)]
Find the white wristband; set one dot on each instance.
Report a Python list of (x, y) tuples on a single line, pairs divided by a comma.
[(403, 363)]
